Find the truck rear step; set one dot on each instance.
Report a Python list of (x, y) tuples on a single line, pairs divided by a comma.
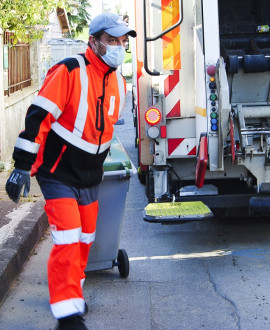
[(176, 212)]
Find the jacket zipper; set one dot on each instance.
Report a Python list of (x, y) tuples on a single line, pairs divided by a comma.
[(100, 125), (58, 159)]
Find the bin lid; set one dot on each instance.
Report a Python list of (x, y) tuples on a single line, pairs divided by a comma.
[(117, 158)]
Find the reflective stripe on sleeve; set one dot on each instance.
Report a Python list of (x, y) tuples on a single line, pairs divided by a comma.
[(70, 236), (47, 105), (27, 145), (87, 238), (78, 142), (121, 88), (82, 282), (83, 105), (68, 307)]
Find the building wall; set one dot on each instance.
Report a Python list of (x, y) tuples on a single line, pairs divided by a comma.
[(1, 92), (12, 119), (53, 30), (45, 61), (14, 107)]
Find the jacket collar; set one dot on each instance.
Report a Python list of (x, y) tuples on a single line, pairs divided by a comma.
[(96, 62)]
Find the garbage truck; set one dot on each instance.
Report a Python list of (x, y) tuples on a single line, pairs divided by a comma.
[(201, 106)]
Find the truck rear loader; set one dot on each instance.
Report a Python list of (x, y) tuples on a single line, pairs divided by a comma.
[(201, 105)]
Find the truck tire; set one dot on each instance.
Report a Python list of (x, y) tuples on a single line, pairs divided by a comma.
[(150, 191), (141, 175)]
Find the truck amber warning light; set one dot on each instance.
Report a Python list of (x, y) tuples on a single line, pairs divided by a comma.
[(152, 116)]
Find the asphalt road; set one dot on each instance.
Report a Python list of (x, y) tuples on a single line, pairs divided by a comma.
[(199, 275)]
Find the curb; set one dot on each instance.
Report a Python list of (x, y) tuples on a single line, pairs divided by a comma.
[(16, 249)]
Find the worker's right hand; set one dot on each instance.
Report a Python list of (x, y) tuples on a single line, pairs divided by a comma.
[(16, 181)]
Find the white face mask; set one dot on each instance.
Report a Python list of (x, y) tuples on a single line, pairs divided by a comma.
[(114, 56)]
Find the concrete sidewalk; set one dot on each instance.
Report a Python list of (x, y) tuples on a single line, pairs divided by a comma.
[(21, 227)]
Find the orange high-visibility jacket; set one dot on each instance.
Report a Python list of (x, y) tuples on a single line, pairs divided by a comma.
[(69, 126)]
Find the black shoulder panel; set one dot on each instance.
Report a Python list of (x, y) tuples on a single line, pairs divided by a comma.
[(72, 63)]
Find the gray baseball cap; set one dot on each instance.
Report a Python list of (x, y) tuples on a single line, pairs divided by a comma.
[(111, 24)]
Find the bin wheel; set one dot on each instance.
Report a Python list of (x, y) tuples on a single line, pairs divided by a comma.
[(123, 263)]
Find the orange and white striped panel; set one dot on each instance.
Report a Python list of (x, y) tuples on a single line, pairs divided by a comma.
[(182, 147), (172, 97)]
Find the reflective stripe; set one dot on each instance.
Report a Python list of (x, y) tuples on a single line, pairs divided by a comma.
[(87, 238), (27, 145), (122, 93), (83, 105), (47, 105), (112, 106), (61, 237), (82, 282), (78, 142), (68, 307)]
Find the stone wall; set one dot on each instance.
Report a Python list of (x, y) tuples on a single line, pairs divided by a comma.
[(12, 119), (1, 92), (45, 61), (14, 107)]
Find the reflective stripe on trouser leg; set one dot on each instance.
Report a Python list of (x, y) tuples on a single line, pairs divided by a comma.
[(88, 220), (64, 268)]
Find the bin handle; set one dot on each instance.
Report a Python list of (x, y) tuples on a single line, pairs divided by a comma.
[(124, 173)]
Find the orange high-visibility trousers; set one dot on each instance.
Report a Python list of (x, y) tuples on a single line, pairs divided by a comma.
[(73, 227)]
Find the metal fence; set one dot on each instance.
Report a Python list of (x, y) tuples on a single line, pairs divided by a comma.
[(17, 65)]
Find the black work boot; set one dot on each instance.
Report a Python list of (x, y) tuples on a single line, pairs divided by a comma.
[(73, 322)]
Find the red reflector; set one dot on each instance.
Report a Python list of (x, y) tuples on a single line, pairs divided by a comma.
[(152, 116), (201, 162), (211, 70), (163, 132)]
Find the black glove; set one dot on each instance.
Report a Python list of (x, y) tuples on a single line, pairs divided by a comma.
[(15, 183)]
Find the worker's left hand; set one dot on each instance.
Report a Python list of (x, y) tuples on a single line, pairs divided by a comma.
[(16, 181)]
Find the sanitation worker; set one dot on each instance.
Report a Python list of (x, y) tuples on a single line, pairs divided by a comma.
[(68, 132)]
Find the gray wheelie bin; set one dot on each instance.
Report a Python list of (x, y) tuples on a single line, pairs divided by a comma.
[(105, 252)]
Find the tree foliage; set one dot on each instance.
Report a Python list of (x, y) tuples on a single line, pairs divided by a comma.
[(78, 15), (25, 17)]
